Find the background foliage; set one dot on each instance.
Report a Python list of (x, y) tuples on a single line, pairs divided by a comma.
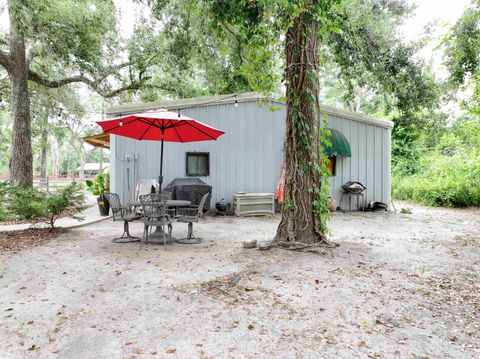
[(439, 164)]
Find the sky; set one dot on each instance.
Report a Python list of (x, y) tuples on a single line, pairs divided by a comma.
[(445, 13)]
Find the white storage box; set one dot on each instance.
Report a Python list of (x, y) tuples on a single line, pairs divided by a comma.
[(253, 204)]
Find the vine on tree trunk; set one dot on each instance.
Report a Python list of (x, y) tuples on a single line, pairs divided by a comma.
[(304, 214)]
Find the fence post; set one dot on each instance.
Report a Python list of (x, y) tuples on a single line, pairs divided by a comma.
[(48, 189)]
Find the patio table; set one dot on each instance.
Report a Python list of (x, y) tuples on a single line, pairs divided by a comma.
[(170, 203), (157, 236)]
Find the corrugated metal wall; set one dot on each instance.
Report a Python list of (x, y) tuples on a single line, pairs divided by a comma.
[(249, 156), (370, 161)]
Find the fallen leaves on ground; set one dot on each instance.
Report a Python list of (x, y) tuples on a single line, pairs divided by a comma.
[(28, 238)]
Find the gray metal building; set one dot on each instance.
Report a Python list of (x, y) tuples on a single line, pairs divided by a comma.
[(249, 156)]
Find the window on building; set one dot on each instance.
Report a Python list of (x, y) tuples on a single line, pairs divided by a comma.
[(198, 164), (332, 164)]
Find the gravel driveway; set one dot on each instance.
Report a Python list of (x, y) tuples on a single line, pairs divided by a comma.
[(399, 285)]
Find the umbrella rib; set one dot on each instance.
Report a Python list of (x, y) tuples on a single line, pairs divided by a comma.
[(151, 123), (123, 124), (146, 130), (175, 128), (141, 119), (177, 124), (191, 124)]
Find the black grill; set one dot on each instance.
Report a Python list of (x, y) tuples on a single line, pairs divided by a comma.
[(190, 189), (354, 187)]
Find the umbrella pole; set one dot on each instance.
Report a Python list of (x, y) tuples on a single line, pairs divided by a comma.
[(160, 178)]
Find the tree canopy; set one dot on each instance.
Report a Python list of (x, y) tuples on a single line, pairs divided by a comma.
[(55, 43), (462, 56)]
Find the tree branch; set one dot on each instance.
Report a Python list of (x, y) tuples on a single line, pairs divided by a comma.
[(3, 40), (230, 30), (30, 55), (93, 84), (238, 37), (5, 60)]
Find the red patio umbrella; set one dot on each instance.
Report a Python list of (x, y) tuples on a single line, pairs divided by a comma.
[(162, 125)]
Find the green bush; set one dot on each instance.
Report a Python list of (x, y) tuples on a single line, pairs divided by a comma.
[(33, 205), (3, 191), (69, 200), (24, 203), (448, 181)]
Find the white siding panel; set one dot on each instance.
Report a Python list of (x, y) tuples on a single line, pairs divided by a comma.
[(362, 153), (377, 165), (370, 156), (354, 140)]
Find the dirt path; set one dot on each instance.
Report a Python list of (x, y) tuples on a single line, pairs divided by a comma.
[(399, 285)]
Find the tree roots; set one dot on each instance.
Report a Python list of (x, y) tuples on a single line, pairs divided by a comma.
[(319, 247)]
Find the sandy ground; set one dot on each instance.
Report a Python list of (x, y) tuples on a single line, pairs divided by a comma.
[(399, 285)]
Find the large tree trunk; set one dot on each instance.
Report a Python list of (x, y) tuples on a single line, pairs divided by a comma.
[(303, 222), (21, 165)]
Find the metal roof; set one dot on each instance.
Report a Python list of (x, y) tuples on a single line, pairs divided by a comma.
[(185, 103), (180, 104)]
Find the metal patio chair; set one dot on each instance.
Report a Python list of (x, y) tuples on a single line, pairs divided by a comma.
[(155, 214), (190, 215), (122, 213)]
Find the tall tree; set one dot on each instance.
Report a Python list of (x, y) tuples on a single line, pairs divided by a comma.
[(56, 43), (282, 39), (372, 55), (303, 215), (272, 33), (462, 57)]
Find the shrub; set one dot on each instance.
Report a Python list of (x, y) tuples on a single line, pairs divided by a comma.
[(3, 192), (69, 200), (448, 181), (24, 203), (31, 204)]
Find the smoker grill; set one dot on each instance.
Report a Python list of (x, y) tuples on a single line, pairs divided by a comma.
[(353, 189)]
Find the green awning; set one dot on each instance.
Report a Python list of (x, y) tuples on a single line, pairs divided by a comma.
[(340, 146)]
